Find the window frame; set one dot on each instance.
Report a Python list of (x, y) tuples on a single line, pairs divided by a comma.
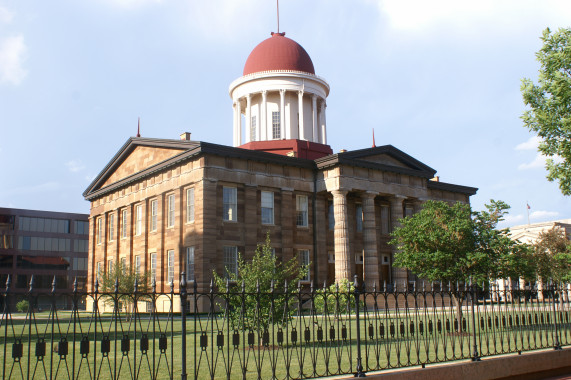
[(171, 207), (170, 266), (138, 220), (190, 261), (276, 125), (154, 215), (230, 252), (305, 259), (230, 206), (301, 215), (266, 207), (111, 224), (190, 205), (359, 217), (137, 264), (153, 266), (124, 224)]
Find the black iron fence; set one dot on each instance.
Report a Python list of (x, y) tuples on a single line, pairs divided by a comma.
[(280, 333)]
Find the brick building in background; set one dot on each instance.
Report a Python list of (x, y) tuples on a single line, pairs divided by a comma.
[(167, 206), (43, 244)]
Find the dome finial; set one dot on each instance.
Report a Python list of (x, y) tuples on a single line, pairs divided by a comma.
[(139, 127), (278, 9)]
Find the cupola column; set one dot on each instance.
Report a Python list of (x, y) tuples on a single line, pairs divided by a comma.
[(343, 268), (300, 115), (323, 129), (236, 123), (263, 124), (314, 118), (282, 114), (248, 134)]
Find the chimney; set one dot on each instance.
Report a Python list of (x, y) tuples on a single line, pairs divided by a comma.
[(185, 136), (435, 179)]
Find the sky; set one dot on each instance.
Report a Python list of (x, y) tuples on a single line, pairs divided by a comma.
[(439, 80)]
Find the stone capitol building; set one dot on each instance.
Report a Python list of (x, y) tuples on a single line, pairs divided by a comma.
[(171, 205)]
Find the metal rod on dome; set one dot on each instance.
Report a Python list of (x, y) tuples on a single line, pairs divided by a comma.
[(278, 9)]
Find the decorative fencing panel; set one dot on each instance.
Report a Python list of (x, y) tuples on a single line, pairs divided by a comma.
[(286, 333)]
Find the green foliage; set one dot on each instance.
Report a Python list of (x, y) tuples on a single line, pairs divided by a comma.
[(23, 306), (338, 298), (550, 105), (125, 276), (249, 303), (446, 243), (552, 256)]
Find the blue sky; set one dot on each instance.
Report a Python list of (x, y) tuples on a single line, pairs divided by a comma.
[(438, 79)]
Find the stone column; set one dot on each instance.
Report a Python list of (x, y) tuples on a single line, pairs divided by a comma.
[(323, 129), (343, 267), (300, 113), (250, 223), (371, 258), (314, 117), (282, 113), (399, 275), (248, 118), (238, 131), (235, 126), (263, 124)]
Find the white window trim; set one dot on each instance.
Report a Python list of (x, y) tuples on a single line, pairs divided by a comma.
[(138, 220), (305, 222), (170, 266), (190, 275), (272, 222), (111, 226), (154, 215), (171, 210), (233, 205), (190, 205)]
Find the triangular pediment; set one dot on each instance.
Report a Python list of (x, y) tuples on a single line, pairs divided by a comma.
[(140, 158), (385, 159), (136, 155)]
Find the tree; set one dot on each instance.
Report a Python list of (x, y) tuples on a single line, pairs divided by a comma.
[(125, 277), (552, 256), (450, 243), (550, 105), (251, 301)]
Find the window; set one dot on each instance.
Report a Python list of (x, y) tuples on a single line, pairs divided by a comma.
[(153, 267), (301, 210), (189, 263), (123, 265), (408, 210), (111, 226), (109, 267), (331, 216), (230, 261), (138, 264), (138, 219), (99, 230), (98, 271), (189, 205), (170, 215), (359, 216), (81, 227), (304, 262), (80, 245), (170, 266), (124, 224), (276, 127), (267, 207), (385, 220), (230, 204), (253, 129), (154, 214)]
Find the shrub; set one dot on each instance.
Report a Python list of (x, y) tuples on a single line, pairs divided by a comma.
[(23, 306)]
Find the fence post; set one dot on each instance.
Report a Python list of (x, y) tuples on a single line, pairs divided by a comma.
[(475, 356), (556, 344), (359, 372), (183, 295)]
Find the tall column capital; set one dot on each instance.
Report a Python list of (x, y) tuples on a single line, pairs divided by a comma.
[(264, 94), (282, 91), (339, 192), (369, 195)]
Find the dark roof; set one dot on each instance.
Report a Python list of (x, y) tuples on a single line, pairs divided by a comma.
[(191, 149), (451, 187), (357, 158)]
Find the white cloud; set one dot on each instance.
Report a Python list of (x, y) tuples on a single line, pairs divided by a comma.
[(74, 166), (543, 215), (538, 162), (510, 220), (530, 144), (12, 56), (418, 15), (5, 16)]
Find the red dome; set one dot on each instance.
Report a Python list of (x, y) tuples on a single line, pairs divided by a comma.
[(278, 53)]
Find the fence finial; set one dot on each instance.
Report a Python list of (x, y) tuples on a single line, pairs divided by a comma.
[(54, 285), (135, 285), (31, 283), (182, 280), (75, 285), (8, 282)]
